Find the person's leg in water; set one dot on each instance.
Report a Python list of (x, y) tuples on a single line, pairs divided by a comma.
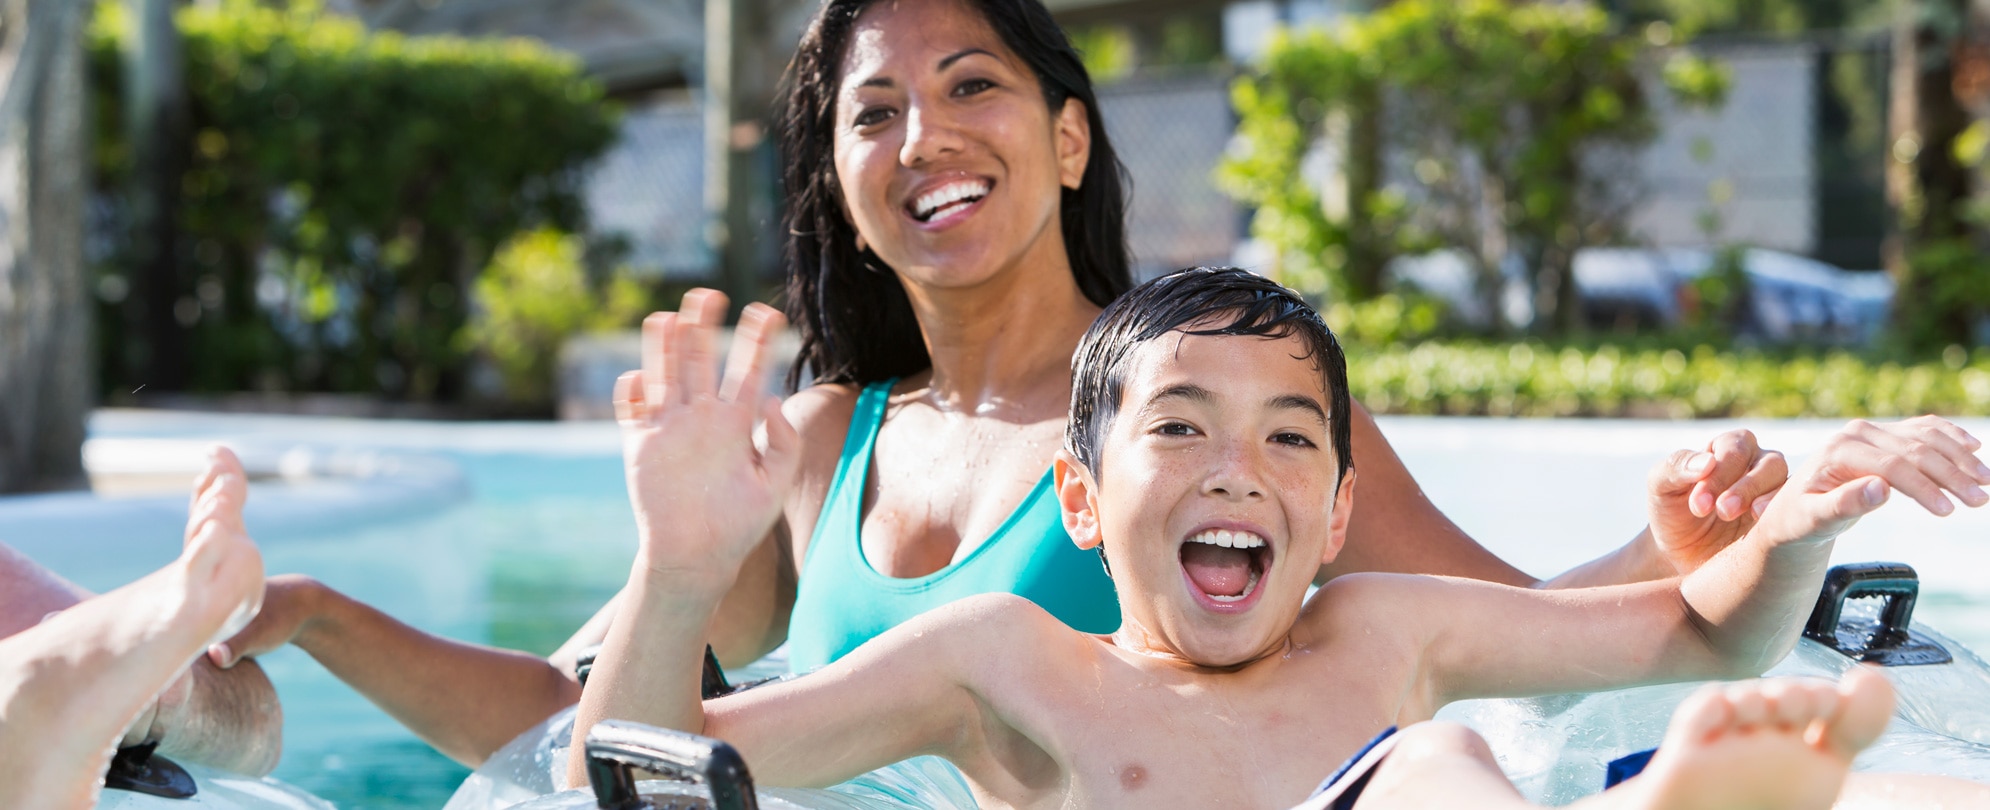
[(72, 685), (1777, 743)]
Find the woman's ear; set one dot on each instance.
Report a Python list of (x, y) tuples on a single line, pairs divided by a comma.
[(1074, 143), (1075, 499)]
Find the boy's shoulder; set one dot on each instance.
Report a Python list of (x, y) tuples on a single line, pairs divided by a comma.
[(966, 630), (1371, 599)]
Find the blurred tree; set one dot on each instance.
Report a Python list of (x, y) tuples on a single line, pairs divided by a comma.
[(44, 182), (1937, 60), (340, 192), (1504, 113)]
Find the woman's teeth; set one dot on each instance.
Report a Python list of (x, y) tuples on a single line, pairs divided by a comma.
[(948, 195)]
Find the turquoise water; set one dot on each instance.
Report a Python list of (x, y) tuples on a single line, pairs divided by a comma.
[(540, 545), (539, 535)]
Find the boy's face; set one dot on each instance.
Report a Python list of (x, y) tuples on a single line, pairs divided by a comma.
[(1214, 496)]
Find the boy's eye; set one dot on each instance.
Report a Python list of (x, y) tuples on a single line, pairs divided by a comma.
[(1175, 429), (1292, 439), (973, 86)]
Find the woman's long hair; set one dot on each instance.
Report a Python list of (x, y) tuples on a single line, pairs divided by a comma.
[(855, 322)]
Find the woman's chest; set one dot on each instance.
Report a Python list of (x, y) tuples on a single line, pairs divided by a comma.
[(931, 499)]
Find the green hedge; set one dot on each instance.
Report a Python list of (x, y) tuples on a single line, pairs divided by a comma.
[(1539, 379), (344, 189)]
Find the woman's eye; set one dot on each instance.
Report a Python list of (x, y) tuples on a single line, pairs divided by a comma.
[(872, 116), (1292, 439), (973, 86)]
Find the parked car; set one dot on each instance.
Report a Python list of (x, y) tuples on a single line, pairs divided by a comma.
[(1788, 298)]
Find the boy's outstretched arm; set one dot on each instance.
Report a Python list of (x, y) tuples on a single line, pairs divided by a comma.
[(1735, 616)]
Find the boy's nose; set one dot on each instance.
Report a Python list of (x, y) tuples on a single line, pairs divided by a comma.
[(1235, 476)]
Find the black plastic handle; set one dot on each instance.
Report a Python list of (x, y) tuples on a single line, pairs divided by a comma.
[(138, 770), (1897, 582), (616, 748), (712, 684), (1888, 642)]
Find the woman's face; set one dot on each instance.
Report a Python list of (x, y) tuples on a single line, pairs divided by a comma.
[(950, 163)]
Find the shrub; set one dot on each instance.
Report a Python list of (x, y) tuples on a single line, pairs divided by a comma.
[(1535, 378), (344, 188), (535, 294)]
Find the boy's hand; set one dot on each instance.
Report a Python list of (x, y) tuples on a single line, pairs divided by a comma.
[(1701, 501), (1858, 467), (705, 489)]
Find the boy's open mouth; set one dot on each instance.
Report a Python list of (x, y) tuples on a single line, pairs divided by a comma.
[(1225, 565)]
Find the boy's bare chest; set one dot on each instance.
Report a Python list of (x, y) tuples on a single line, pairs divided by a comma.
[(1154, 745)]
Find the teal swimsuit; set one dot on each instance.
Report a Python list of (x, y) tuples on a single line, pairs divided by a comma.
[(843, 601)]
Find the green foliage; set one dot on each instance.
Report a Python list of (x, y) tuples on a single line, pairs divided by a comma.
[(1107, 50), (1386, 319), (1541, 379), (344, 187), (1697, 80), (1945, 296), (535, 294), (1492, 103)]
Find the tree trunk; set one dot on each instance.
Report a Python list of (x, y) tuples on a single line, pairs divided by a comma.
[(155, 126), (1926, 186), (1368, 250), (45, 364)]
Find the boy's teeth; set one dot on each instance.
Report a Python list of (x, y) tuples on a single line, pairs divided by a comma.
[(1228, 539)]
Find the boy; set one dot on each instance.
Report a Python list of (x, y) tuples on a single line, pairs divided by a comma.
[(1207, 460)]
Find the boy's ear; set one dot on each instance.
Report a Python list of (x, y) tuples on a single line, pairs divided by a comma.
[(1343, 511), (1074, 497)]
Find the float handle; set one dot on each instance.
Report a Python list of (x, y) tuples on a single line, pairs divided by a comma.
[(1897, 582), (616, 748)]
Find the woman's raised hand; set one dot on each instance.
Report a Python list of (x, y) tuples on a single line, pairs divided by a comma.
[(706, 488), (1924, 457)]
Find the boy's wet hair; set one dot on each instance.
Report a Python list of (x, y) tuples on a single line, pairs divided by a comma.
[(1220, 301)]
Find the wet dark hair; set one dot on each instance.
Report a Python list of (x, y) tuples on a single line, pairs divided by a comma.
[(855, 322), (1244, 303)]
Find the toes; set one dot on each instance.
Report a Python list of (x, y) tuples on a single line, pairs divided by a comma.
[(1867, 706), (1794, 703), (1750, 706), (1701, 716)]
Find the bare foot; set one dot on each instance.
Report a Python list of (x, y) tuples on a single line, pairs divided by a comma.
[(72, 685), (1775, 743)]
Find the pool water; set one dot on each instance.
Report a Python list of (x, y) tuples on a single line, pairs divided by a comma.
[(538, 534)]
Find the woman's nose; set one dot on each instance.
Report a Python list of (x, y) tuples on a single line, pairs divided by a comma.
[(930, 134)]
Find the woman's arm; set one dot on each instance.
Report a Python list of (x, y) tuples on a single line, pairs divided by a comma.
[(1697, 509), (467, 700)]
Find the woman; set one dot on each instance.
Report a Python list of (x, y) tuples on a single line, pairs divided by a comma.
[(956, 220)]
